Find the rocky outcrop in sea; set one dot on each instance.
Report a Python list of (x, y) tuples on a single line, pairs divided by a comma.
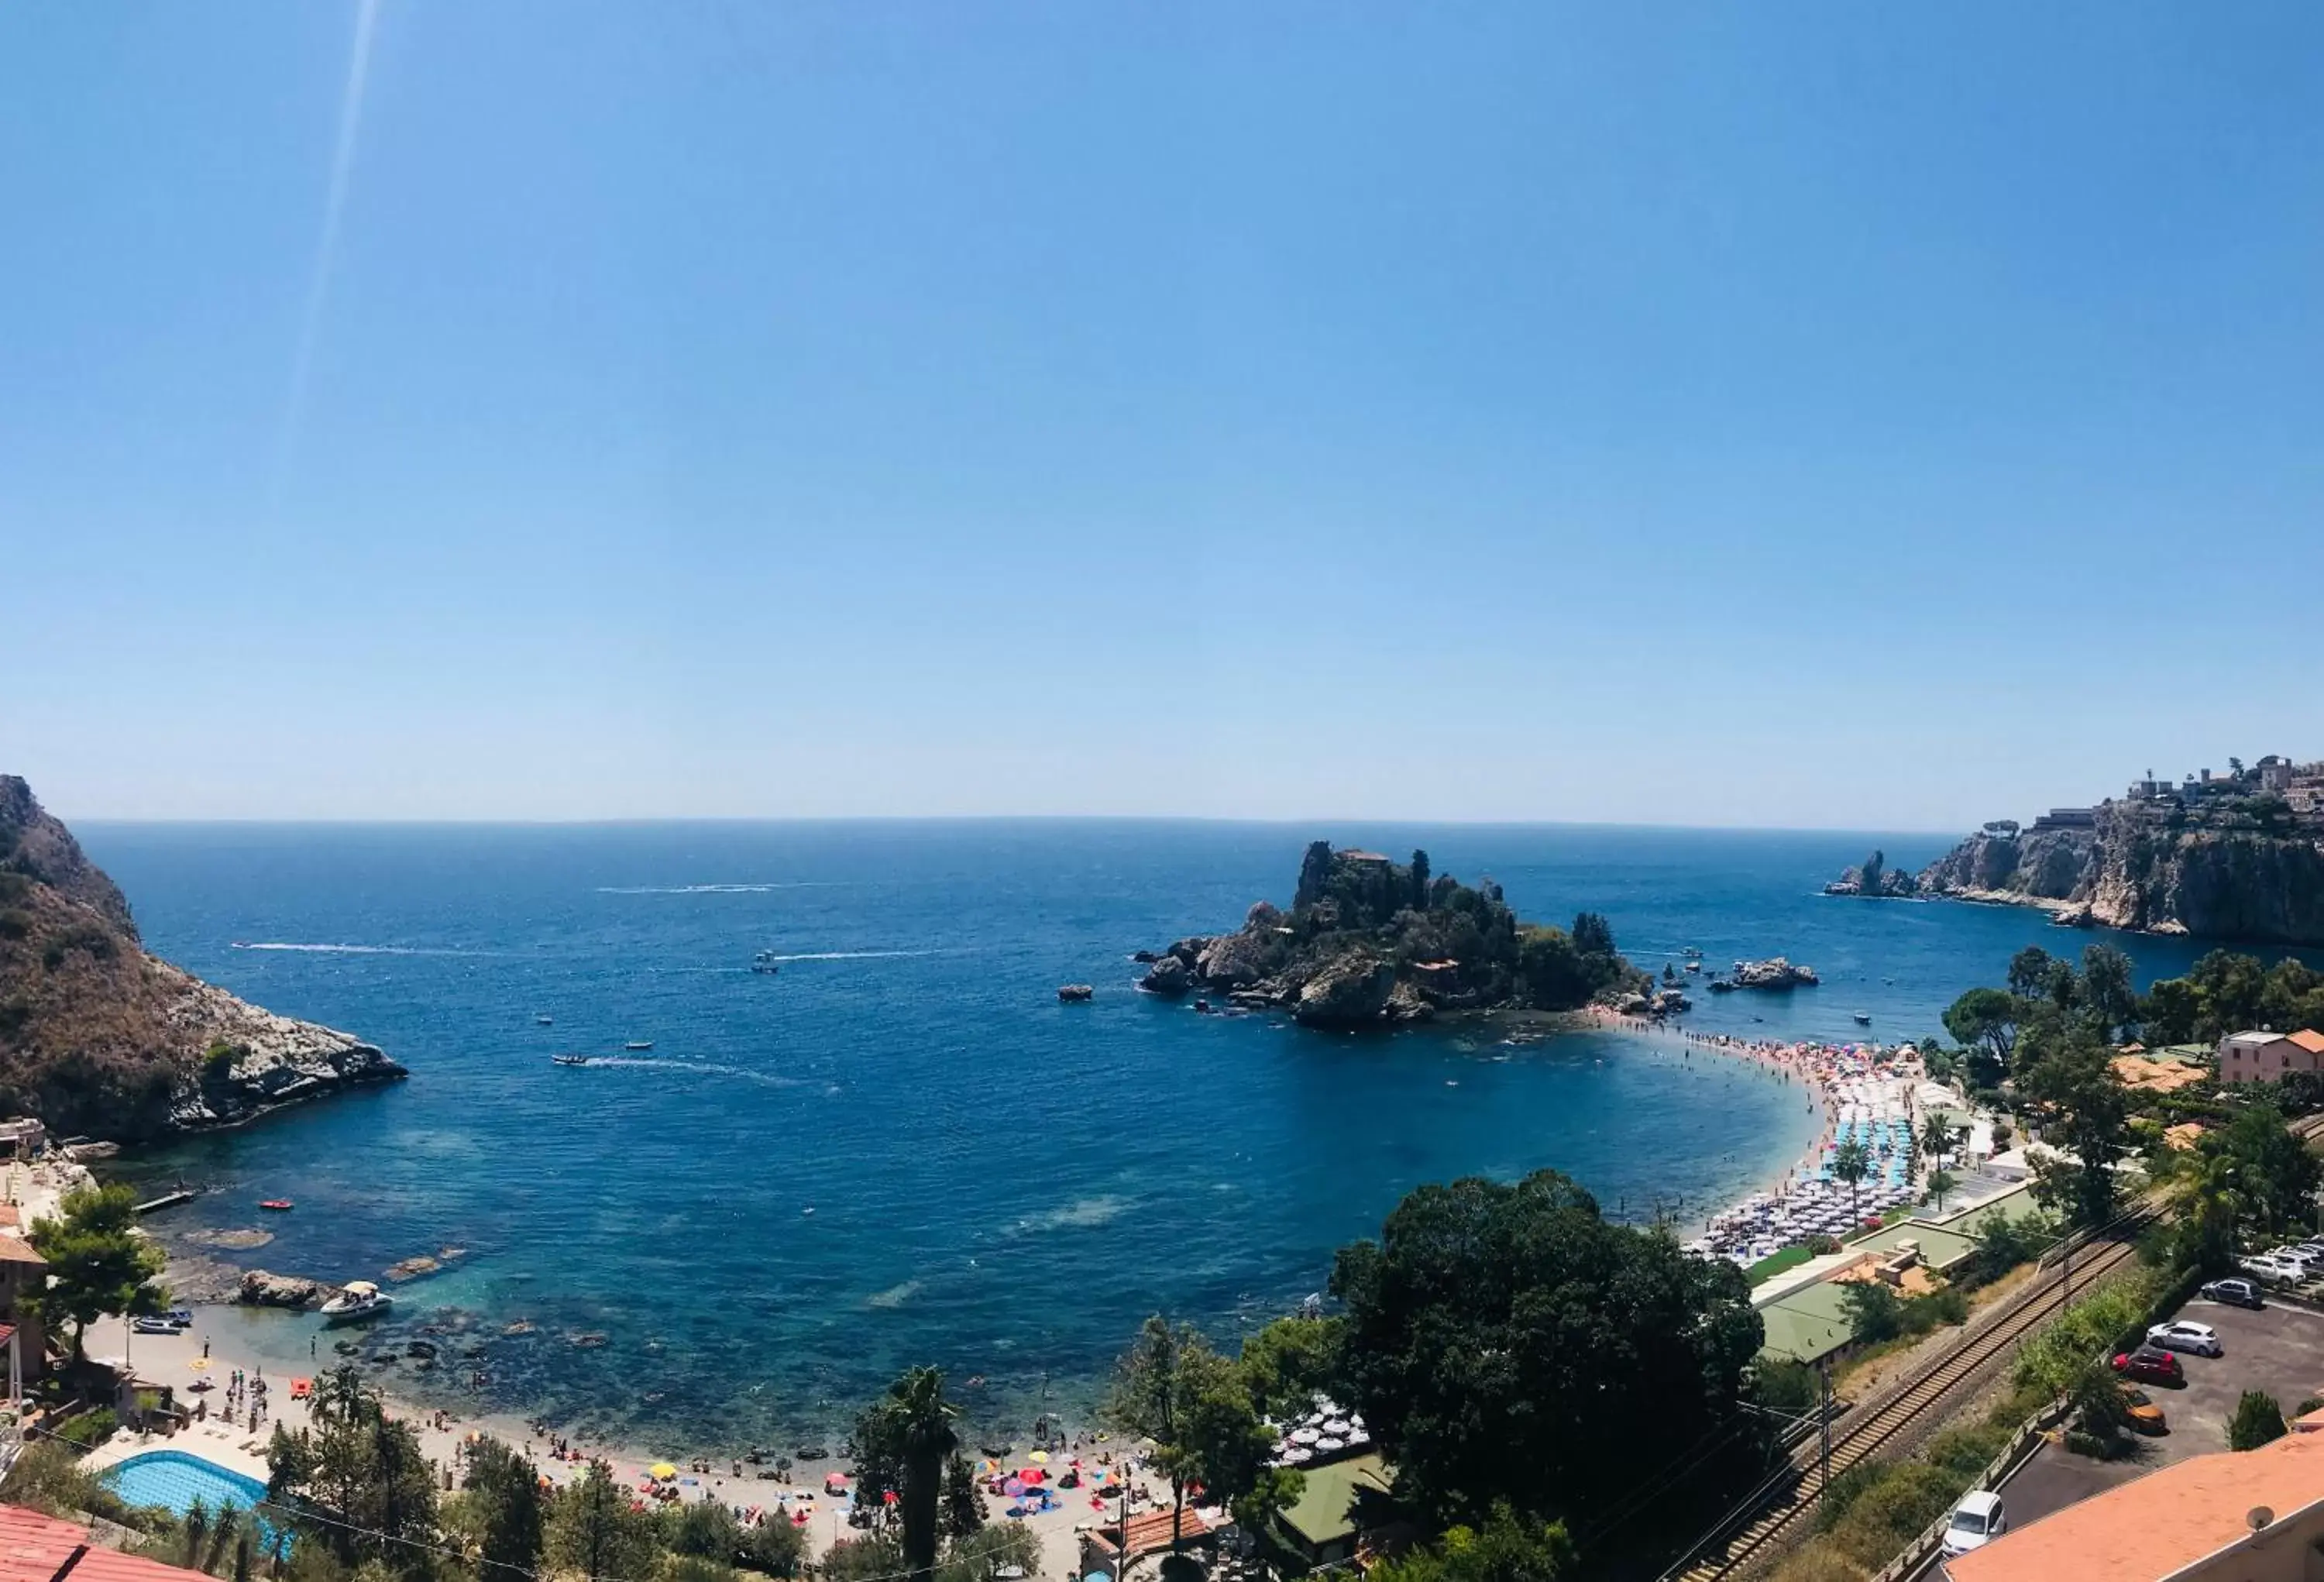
[(99, 1037), (1368, 942), (2215, 874)]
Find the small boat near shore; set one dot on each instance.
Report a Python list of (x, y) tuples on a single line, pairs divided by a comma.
[(1863, 1018), (569, 1059), (360, 1299), (276, 1205), (545, 1020)]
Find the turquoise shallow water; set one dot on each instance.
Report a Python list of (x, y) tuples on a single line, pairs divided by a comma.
[(902, 1148)]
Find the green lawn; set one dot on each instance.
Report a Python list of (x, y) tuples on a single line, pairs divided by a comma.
[(1767, 1268)]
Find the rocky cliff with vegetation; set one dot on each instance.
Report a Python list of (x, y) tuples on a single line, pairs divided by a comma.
[(99, 1038), (1372, 942), (2244, 870)]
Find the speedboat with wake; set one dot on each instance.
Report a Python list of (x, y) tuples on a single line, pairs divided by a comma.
[(768, 962), (569, 1059)]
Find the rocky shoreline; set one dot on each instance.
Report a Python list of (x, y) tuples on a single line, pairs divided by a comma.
[(102, 1038)]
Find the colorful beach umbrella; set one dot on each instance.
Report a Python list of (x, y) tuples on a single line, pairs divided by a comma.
[(1039, 1457), (662, 1469)]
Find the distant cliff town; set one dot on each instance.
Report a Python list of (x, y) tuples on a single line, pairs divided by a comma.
[(2238, 855)]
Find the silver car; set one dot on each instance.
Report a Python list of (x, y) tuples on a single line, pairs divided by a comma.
[(2184, 1334)]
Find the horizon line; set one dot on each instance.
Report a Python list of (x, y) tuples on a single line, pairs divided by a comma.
[(899, 818)]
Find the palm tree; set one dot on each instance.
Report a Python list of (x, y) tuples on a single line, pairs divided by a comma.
[(914, 1423), (1939, 1137), (1851, 1163), (1941, 1182), (2210, 1204)]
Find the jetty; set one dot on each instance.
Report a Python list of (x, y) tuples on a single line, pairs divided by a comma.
[(166, 1200)]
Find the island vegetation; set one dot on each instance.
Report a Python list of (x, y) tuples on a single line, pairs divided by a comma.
[(1369, 941)]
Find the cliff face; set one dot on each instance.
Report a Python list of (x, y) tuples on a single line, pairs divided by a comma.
[(98, 1037), (2135, 870)]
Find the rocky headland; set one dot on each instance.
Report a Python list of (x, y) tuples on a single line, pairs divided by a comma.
[(1369, 943), (99, 1038), (2237, 858)]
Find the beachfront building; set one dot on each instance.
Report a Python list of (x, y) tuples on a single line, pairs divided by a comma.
[(1326, 1524), (23, 1271), (2233, 1516), (2269, 1057)]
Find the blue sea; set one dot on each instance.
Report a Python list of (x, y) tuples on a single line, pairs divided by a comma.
[(902, 1148)]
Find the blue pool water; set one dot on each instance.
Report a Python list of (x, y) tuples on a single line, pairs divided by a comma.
[(175, 1480), (903, 1149)]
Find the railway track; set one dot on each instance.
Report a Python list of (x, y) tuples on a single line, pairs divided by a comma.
[(1777, 1511), (1774, 1514)]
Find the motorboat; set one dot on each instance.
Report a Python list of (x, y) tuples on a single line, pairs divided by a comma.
[(768, 962), (277, 1205), (569, 1059), (1864, 1018), (639, 1044), (545, 1020), (1694, 963), (156, 1324), (359, 1301)]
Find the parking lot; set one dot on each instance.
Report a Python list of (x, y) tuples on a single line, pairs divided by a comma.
[(2278, 1349)]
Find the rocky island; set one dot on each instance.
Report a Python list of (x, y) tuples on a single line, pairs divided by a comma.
[(2235, 856), (1371, 942), (101, 1039)]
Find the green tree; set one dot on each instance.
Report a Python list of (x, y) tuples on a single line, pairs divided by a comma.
[(2256, 1421), (2107, 995), (2099, 1411), (983, 1555), (1289, 1362), (1939, 1136), (913, 1423), (593, 1531), (1875, 1312), (1940, 1183), (876, 1557), (964, 1503), (1987, 1019), (1419, 880), (504, 1506), (2085, 1112), (1592, 934), (2278, 1174), (2030, 972), (1157, 1385), (1851, 1161), (1467, 1320), (1506, 1548), (360, 1477), (97, 1262), (1274, 1490)]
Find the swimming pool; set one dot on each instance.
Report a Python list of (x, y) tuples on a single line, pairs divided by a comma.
[(175, 1480)]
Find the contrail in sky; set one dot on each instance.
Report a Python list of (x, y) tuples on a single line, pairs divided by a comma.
[(343, 158)]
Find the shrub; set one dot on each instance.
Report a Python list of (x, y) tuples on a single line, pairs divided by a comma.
[(1783, 1385), (90, 1428), (1892, 1513), (16, 925), (2258, 1421), (2308, 1403), (1847, 1486)]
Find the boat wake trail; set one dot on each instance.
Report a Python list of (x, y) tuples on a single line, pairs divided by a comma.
[(1086, 1214), (850, 955), (713, 889), (705, 1068), (346, 949)]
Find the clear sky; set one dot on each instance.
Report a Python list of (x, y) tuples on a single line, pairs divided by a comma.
[(1810, 414)]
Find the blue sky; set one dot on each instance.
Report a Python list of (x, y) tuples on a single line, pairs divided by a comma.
[(1810, 415)]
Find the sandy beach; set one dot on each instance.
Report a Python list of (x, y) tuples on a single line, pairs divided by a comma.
[(206, 1353)]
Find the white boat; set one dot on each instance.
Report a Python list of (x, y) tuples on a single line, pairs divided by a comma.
[(359, 1301), (768, 962)]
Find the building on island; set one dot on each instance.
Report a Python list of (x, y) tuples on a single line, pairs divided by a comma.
[(2231, 1516), (2269, 1057)]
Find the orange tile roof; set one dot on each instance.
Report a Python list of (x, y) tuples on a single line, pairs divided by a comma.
[(2308, 1039), (34, 1547), (1148, 1531), (17, 1250), (2155, 1525)]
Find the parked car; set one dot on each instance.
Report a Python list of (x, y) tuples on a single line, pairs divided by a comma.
[(1976, 1522), (2183, 1335), (2150, 1365), (2234, 1293), (2145, 1417), (2274, 1270)]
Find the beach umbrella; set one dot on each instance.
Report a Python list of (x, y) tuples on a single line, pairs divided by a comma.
[(888, 1497), (1013, 1488), (1039, 1457), (662, 1469), (200, 1364)]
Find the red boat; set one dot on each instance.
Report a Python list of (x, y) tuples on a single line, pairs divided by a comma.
[(277, 1204)]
